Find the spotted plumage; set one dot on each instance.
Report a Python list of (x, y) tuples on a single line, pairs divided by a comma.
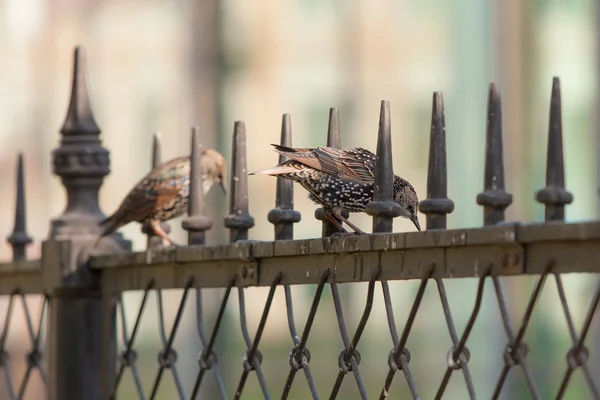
[(340, 179), (164, 192)]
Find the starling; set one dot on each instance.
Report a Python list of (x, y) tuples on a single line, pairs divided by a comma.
[(163, 194), (340, 179)]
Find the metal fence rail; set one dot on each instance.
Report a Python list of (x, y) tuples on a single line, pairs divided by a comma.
[(83, 287)]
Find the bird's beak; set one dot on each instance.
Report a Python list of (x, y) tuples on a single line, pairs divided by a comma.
[(415, 220), (222, 184)]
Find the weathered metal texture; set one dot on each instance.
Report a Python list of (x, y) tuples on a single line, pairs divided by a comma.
[(494, 199), (19, 239), (239, 222), (197, 223), (21, 275), (82, 163), (554, 196), (78, 346), (513, 249), (383, 208), (25, 275), (283, 216), (437, 204), (334, 139), (154, 241), (28, 280), (239, 219)]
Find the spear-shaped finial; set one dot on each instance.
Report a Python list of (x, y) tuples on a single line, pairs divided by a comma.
[(19, 239), (554, 196)]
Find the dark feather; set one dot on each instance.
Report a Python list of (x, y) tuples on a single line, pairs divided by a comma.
[(354, 163)]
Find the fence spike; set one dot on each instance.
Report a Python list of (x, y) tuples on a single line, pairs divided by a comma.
[(283, 216), (196, 223), (80, 119), (554, 196), (19, 239), (239, 220), (334, 134), (334, 139), (82, 163), (437, 204), (154, 241), (494, 198), (156, 150), (383, 208)]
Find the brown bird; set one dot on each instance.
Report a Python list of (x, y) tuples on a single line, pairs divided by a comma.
[(340, 179), (163, 194)]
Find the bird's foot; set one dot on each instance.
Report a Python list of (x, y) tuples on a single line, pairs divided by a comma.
[(343, 234)]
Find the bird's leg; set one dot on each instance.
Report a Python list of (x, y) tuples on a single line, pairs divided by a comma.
[(337, 212), (327, 214), (160, 232)]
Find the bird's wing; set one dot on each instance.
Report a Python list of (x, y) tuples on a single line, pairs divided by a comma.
[(147, 196), (355, 163), (358, 162)]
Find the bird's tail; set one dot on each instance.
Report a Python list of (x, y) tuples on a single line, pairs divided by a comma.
[(277, 170), (109, 225)]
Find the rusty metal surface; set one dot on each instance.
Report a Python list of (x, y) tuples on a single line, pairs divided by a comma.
[(26, 276), (511, 249)]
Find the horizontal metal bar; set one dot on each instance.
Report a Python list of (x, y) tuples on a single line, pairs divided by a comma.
[(24, 276), (511, 249)]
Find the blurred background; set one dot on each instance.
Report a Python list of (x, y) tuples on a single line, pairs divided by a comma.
[(163, 66)]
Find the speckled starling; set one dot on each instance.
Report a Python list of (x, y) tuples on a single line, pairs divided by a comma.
[(163, 193), (340, 179)]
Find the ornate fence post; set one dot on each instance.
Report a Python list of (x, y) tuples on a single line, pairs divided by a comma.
[(78, 350)]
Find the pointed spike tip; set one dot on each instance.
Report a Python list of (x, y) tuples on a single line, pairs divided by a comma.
[(239, 179), (554, 196), (384, 178), (20, 209), (239, 221), (382, 208), (334, 135), (286, 134), (494, 92), (437, 204), (283, 216), (334, 139), (156, 150), (196, 204), (197, 223), (494, 198), (19, 238), (80, 119)]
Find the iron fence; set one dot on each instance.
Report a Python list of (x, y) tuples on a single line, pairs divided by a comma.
[(81, 287)]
